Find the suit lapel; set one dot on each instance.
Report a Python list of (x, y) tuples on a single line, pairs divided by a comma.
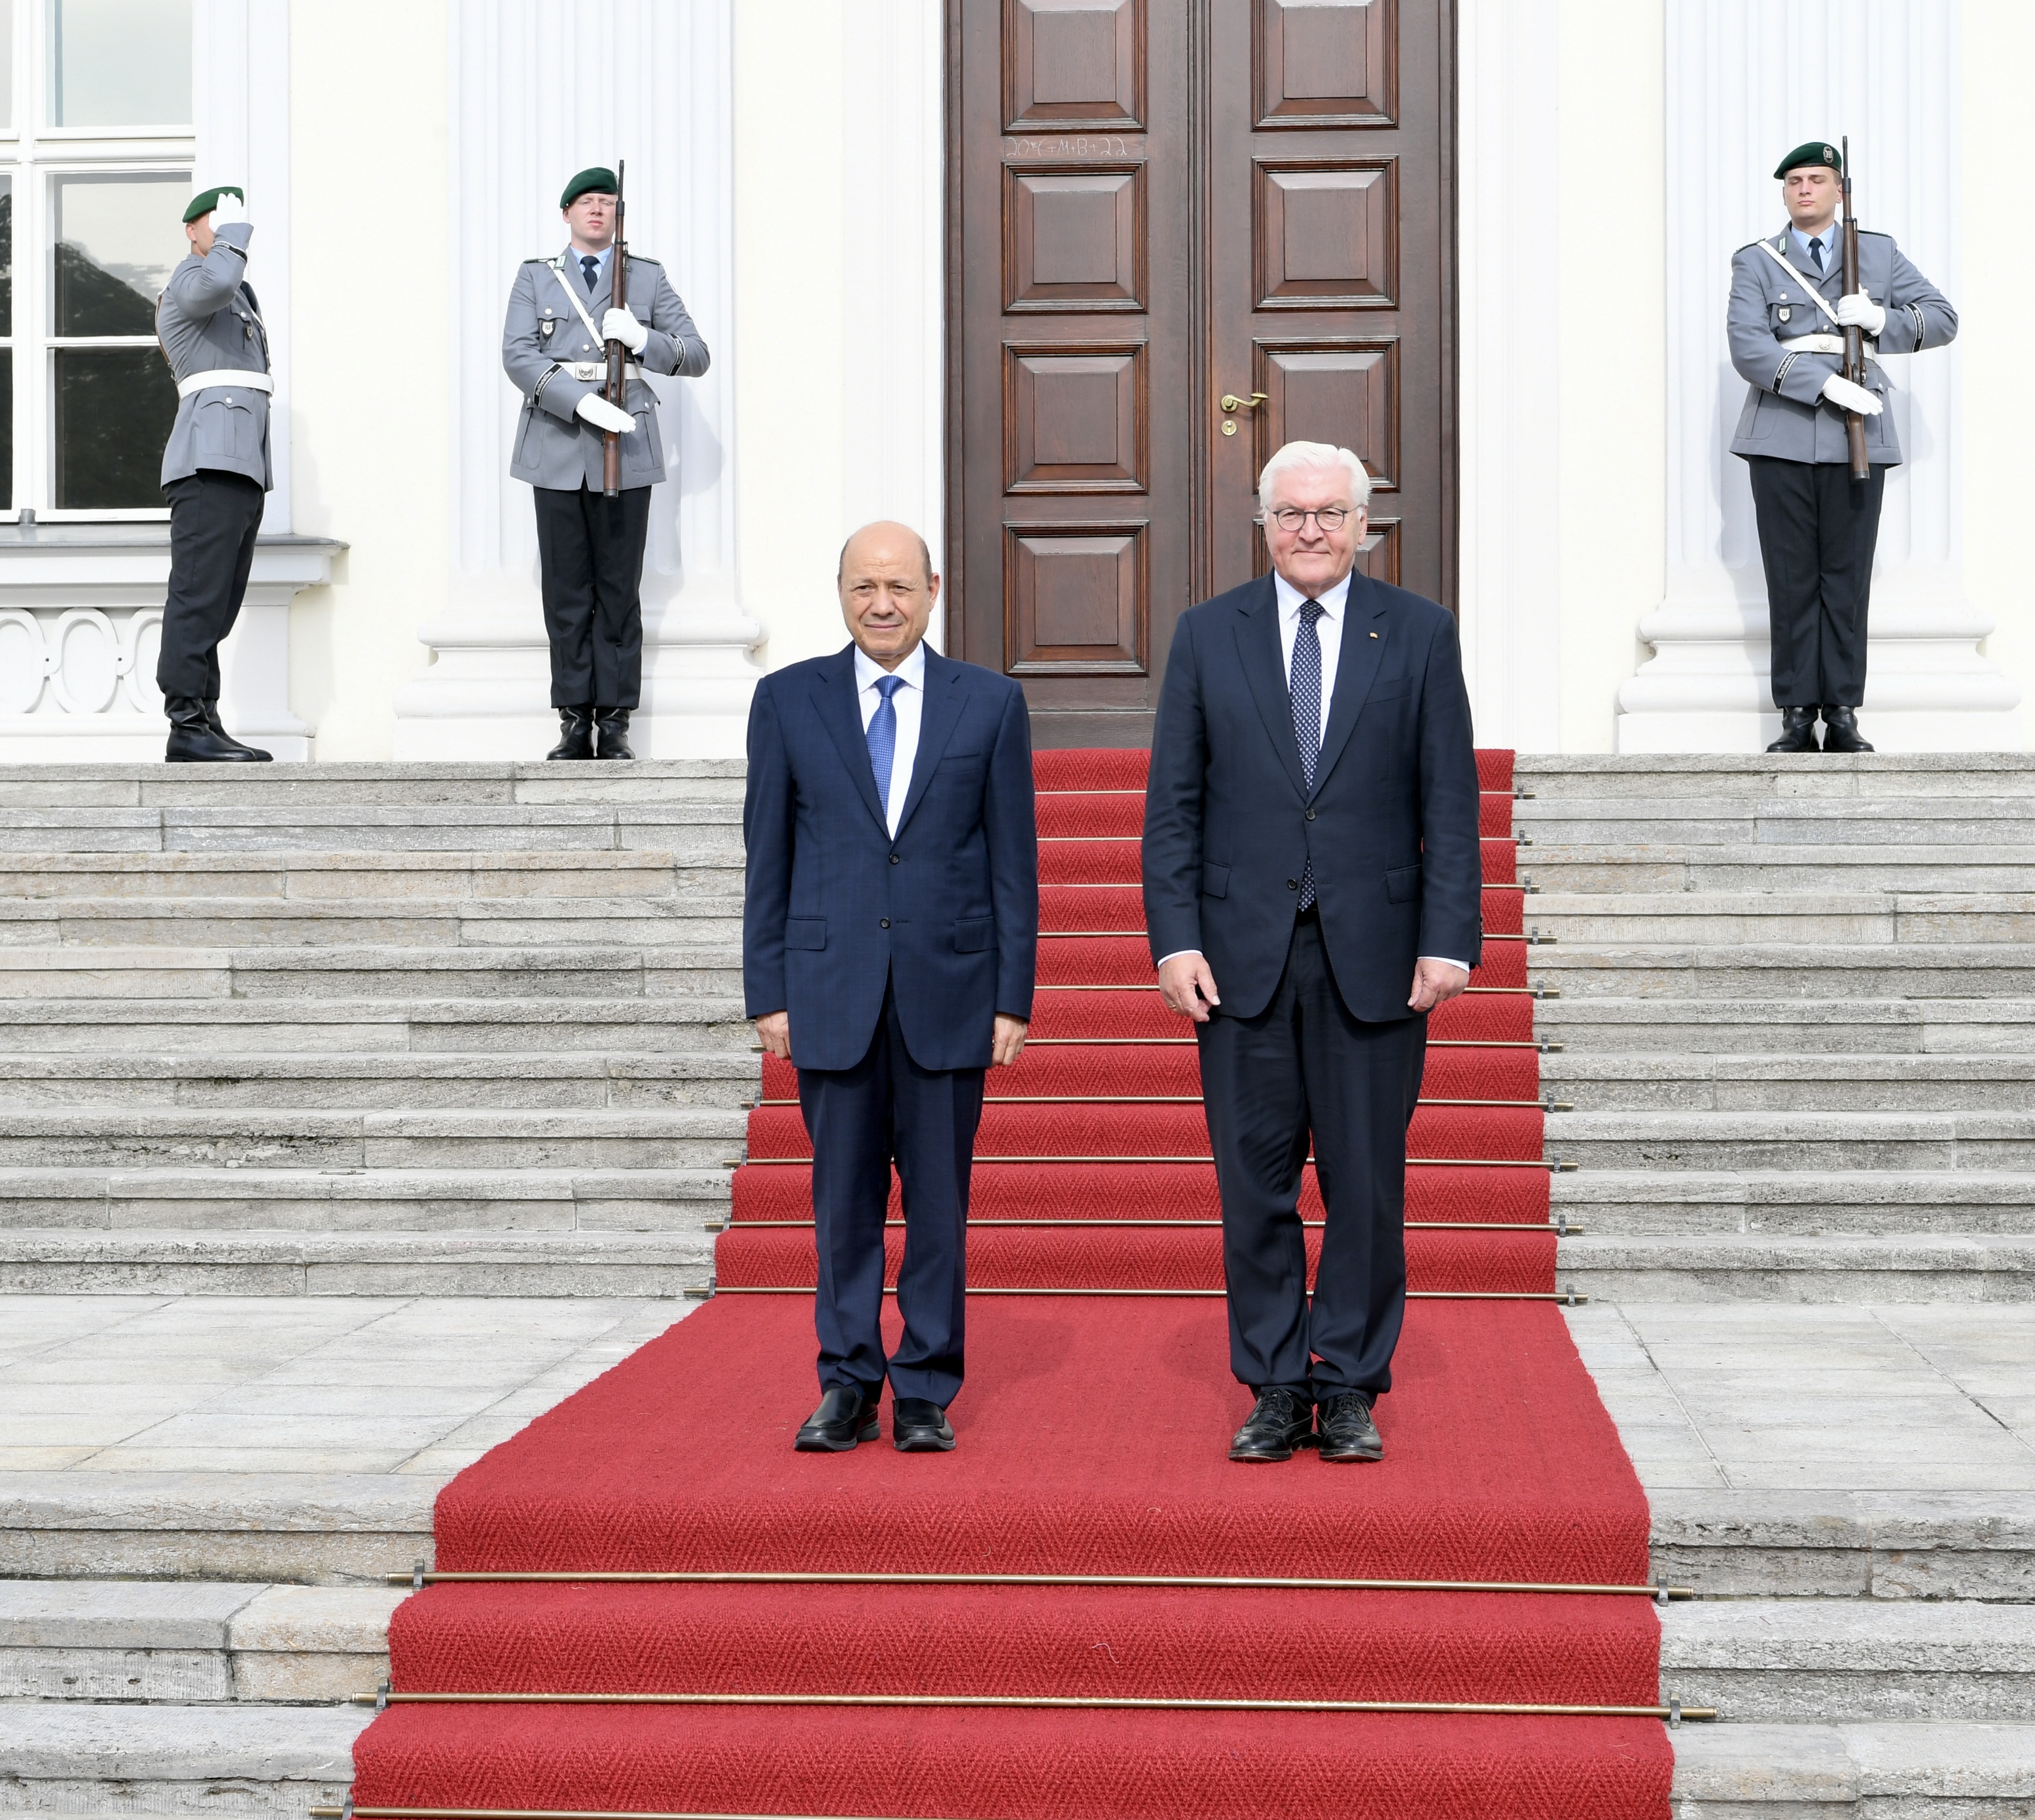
[(938, 715), (833, 695), (1264, 665), (1356, 669)]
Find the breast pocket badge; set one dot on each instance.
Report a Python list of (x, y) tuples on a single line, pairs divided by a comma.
[(1784, 312)]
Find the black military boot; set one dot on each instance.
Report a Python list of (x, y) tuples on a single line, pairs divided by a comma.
[(192, 741), (575, 734), (1841, 731), (246, 752), (611, 727), (1798, 731)]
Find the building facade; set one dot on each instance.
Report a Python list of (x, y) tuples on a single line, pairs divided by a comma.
[(994, 267)]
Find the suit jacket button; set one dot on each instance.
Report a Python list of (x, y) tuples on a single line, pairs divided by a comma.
[(1292, 884), (885, 923), (895, 859), (1311, 814)]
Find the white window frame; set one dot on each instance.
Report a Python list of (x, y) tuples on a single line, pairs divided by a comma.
[(34, 155)]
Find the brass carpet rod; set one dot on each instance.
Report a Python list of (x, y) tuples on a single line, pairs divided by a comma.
[(1053, 1703), (1198, 1582)]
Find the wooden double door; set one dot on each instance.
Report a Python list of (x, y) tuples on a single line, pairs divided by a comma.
[(1181, 233)]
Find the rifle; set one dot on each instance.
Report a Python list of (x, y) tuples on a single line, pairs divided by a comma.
[(1854, 337), (616, 388)]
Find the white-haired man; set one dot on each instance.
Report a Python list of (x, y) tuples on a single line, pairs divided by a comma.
[(1313, 889)]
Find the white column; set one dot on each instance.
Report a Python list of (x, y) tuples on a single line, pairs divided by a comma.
[(1747, 80), (537, 92)]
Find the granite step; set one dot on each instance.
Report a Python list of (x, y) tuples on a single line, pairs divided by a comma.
[(687, 919), (83, 1761), (1715, 918), (1724, 1025), (570, 1080), (162, 971), (1723, 819), (70, 1138), (1790, 972), (1809, 1203), (125, 783), (221, 1026), (472, 1201), (1909, 1141), (191, 1643), (111, 878), (1835, 1266), (1697, 776), (56, 1261), (692, 832), (1803, 868), (1832, 1080), (1881, 1770)]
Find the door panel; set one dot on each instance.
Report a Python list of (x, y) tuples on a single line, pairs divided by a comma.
[(1155, 205)]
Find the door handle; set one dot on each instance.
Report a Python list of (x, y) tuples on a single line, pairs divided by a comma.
[(1231, 402)]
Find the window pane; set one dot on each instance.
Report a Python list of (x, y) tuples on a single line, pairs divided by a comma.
[(120, 62), (6, 252), (6, 64), (6, 429), (115, 407), (118, 239)]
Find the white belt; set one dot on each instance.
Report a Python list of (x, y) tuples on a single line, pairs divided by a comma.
[(1815, 345), (247, 382), (595, 371)]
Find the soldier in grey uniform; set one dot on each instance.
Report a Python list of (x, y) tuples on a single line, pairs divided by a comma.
[(215, 471), (562, 314), (1817, 526)]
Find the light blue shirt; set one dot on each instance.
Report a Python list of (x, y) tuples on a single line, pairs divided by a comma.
[(1827, 240)]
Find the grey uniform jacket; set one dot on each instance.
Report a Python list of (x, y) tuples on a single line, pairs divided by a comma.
[(1784, 415), (544, 337), (207, 320)]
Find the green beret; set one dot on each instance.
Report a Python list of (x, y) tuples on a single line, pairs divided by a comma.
[(599, 178), (1816, 152), (205, 201)]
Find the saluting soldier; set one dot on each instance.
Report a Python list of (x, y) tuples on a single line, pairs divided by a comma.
[(1817, 525), (215, 469), (562, 314)]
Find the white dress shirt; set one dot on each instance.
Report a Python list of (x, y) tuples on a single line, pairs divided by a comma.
[(1328, 629), (908, 703)]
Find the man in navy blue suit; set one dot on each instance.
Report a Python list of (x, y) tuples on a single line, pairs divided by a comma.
[(889, 935), (1311, 842)]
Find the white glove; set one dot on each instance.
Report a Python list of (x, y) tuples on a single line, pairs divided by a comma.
[(1841, 393), (618, 325), (1856, 310), (228, 210), (603, 415)]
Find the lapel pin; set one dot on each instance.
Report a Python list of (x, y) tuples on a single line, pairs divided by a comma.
[(1374, 634)]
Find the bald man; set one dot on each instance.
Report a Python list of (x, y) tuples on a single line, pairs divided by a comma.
[(889, 929)]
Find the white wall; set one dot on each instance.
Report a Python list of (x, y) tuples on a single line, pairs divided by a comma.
[(370, 411), (1998, 262)]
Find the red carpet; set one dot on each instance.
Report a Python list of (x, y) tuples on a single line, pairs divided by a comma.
[(1091, 1439)]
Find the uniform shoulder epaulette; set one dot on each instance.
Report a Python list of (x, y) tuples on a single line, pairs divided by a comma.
[(1748, 247), (636, 258), (542, 259), (1874, 233)]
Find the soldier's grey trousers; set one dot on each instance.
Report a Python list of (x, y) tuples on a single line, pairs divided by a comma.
[(590, 551), (213, 518), (1817, 531)]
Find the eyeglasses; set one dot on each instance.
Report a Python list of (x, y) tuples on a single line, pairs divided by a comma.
[(1290, 518)]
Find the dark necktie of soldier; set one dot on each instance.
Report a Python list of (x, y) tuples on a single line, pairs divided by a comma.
[(590, 266)]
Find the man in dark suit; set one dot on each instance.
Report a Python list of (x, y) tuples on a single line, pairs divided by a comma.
[(1311, 841), (890, 931)]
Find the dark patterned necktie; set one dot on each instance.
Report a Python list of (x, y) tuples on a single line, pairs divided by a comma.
[(882, 738), (1305, 688)]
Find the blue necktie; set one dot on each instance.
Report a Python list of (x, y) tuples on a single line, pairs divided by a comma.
[(590, 265), (1816, 253), (1306, 690), (882, 738)]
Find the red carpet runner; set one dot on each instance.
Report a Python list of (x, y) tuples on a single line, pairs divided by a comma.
[(1091, 1439)]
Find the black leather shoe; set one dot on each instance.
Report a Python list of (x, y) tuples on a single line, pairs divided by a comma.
[(1280, 1421), (1841, 731), (575, 734), (1798, 731), (193, 742), (247, 752), (610, 727), (920, 1426), (1348, 1431), (843, 1418)]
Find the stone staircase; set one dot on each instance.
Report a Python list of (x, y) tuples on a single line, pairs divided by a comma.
[(442, 1067)]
